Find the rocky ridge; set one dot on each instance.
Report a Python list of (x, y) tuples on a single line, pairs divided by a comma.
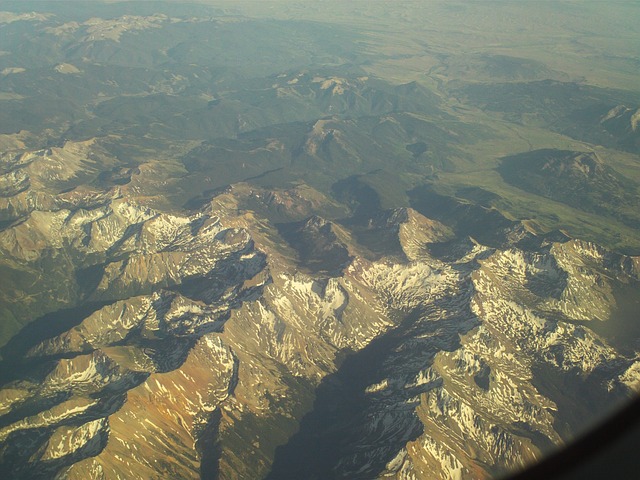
[(212, 347)]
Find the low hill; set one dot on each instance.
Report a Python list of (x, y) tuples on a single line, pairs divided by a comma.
[(581, 180)]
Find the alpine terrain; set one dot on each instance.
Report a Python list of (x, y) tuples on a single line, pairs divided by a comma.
[(309, 240)]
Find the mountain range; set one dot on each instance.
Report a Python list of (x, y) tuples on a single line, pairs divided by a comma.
[(245, 242)]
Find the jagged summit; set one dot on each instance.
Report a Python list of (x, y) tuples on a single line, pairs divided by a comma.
[(321, 245), (402, 230)]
